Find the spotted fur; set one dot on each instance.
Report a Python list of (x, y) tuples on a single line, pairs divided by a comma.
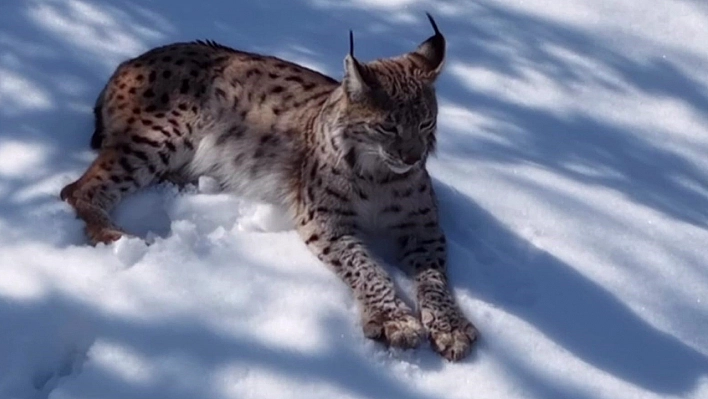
[(346, 158)]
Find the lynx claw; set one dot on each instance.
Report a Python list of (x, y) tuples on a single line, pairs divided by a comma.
[(454, 345), (396, 330)]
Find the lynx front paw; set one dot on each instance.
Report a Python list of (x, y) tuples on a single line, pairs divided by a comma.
[(104, 235), (400, 330), (451, 335)]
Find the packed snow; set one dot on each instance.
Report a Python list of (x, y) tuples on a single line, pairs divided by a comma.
[(572, 174)]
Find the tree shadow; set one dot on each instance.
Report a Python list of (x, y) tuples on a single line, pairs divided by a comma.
[(181, 356), (506, 270), (502, 268), (592, 152), (626, 159)]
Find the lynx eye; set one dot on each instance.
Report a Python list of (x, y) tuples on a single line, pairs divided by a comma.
[(387, 130), (427, 125)]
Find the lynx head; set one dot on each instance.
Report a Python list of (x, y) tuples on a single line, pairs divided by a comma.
[(388, 117)]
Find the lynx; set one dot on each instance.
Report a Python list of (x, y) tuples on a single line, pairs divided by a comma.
[(347, 159)]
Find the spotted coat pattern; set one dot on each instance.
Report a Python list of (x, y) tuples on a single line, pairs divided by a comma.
[(347, 159)]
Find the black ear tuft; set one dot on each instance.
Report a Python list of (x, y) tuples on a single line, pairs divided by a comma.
[(432, 22), (354, 76), (351, 43), (433, 49)]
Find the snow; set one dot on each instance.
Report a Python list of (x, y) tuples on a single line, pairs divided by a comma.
[(572, 175)]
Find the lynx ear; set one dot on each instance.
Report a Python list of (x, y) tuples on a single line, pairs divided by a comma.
[(432, 51), (354, 75)]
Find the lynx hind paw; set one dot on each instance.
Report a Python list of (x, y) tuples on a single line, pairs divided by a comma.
[(455, 343), (401, 330)]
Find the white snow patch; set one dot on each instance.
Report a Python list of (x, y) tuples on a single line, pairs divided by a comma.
[(571, 176)]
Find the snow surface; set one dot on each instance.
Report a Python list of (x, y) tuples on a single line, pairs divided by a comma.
[(572, 175)]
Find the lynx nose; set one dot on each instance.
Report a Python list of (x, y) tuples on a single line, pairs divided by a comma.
[(409, 159)]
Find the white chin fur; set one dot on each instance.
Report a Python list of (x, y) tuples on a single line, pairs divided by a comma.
[(399, 169)]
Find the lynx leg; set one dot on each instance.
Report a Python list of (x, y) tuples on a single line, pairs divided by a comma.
[(424, 255), (384, 316), (111, 176)]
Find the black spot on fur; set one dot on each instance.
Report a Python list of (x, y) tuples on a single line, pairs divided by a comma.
[(183, 89), (350, 158), (313, 171), (164, 158), (125, 164), (362, 195), (267, 138), (335, 194), (392, 209), (162, 130), (312, 97), (142, 140), (141, 155), (403, 193), (311, 239), (253, 72), (404, 225)]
